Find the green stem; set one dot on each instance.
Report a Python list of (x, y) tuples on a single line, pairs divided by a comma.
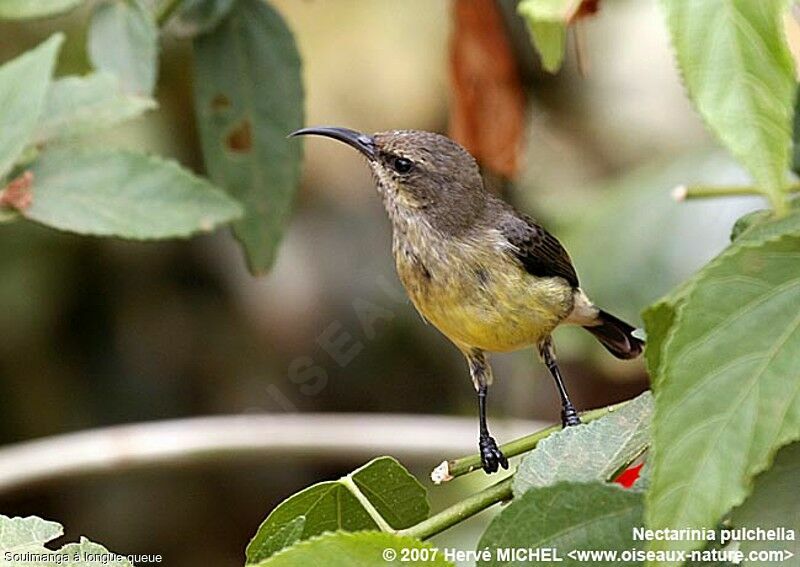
[(488, 497), (498, 492), (460, 511), (458, 467), (683, 192), (165, 11)]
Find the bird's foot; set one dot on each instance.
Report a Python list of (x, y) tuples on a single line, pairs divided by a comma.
[(569, 416), (491, 456)]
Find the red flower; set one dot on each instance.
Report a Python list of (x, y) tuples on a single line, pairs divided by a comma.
[(629, 476)]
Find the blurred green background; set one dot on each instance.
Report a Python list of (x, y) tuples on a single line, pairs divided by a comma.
[(101, 332)]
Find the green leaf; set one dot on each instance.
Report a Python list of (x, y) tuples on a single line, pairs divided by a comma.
[(20, 537), (397, 496), (387, 487), (739, 74), (547, 22), (659, 318), (117, 193), (248, 97), (79, 105), (659, 322), (123, 40), (550, 40), (763, 228), (195, 17), (749, 220), (569, 517), (286, 535), (23, 86), (728, 397), (24, 9), (774, 503), (591, 451), (363, 549), (326, 506)]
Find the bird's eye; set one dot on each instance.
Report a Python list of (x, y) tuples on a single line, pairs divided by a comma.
[(402, 165)]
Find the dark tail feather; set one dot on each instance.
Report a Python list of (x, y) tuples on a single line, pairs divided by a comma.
[(616, 335)]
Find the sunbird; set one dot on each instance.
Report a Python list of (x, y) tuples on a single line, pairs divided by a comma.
[(488, 277)]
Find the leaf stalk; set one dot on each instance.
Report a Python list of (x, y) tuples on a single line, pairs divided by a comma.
[(460, 511), (684, 193)]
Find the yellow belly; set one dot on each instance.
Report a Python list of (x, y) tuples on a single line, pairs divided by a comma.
[(488, 303)]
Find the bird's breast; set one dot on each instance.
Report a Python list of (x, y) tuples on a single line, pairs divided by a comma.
[(477, 295)]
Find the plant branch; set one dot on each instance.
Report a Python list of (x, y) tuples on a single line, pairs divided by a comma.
[(182, 442), (460, 511), (686, 192), (165, 11), (449, 470), (502, 490)]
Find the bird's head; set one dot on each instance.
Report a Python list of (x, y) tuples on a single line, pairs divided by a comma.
[(416, 172)]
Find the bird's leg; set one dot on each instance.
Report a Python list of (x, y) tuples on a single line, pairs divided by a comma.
[(569, 415), (491, 456)]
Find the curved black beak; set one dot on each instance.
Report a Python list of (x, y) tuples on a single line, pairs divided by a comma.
[(363, 143)]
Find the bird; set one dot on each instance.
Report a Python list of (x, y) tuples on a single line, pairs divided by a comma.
[(488, 277)]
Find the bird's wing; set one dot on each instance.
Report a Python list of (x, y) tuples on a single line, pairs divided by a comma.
[(539, 252)]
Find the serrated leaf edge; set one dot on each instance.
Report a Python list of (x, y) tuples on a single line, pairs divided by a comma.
[(714, 129), (750, 476), (588, 427)]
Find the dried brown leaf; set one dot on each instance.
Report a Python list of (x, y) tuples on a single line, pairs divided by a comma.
[(488, 103), (586, 8)]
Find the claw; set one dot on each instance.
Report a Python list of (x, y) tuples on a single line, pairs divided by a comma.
[(491, 456)]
